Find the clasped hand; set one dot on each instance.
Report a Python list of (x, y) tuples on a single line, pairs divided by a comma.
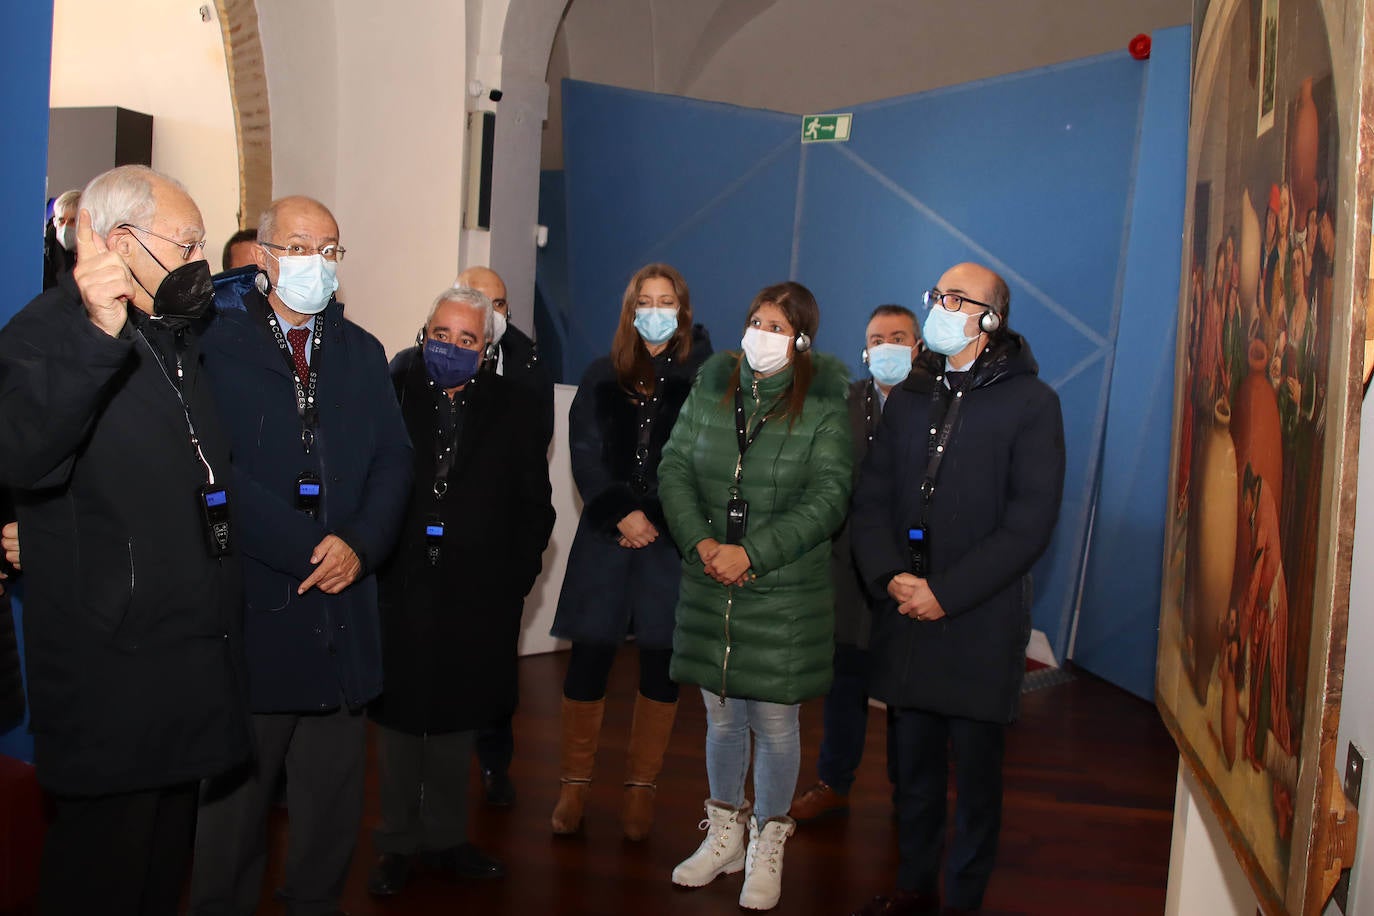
[(728, 564), (914, 597), (636, 530)]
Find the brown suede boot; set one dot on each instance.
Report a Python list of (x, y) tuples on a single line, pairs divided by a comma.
[(581, 731), (653, 726)]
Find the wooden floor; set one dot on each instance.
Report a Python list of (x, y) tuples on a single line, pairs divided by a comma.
[(1088, 815)]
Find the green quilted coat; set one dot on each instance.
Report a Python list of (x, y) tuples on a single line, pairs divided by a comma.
[(772, 639)]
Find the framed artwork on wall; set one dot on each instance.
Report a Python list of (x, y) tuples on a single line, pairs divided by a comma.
[(1268, 380)]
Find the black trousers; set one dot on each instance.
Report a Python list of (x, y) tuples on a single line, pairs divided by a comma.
[(118, 854), (495, 745), (324, 755), (922, 744), (423, 788)]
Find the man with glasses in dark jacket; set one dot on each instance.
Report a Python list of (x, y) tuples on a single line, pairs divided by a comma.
[(956, 501), (133, 636), (322, 469)]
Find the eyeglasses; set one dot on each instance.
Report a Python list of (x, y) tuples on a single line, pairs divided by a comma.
[(950, 302), (187, 248), (329, 252)]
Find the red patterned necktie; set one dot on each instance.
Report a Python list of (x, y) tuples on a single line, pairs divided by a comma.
[(298, 339)]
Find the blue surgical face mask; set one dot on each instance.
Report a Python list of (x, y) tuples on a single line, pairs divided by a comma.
[(450, 365), (306, 283), (656, 325), (889, 363), (944, 331)]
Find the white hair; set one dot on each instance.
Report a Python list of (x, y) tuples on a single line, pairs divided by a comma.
[(123, 195), (67, 200), (466, 295)]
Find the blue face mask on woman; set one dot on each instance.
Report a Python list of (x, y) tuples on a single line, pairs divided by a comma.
[(450, 365), (656, 325), (944, 331)]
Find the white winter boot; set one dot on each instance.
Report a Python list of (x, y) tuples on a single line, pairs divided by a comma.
[(722, 852), (763, 863)]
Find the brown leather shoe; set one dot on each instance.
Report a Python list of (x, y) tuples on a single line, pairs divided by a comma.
[(817, 800)]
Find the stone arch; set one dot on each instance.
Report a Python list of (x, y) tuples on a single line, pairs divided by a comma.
[(252, 117)]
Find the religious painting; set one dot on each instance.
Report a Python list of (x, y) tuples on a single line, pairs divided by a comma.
[(1252, 624), (1268, 63)]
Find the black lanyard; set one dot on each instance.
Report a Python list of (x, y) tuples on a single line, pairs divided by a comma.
[(746, 440), (938, 445), (307, 407), (185, 408)]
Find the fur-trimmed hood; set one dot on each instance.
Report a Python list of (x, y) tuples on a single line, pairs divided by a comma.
[(831, 381)]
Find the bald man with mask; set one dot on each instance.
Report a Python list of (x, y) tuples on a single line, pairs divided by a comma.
[(955, 502), (322, 468), (514, 355)]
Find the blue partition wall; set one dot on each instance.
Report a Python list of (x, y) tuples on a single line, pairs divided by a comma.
[(1034, 174), (24, 66), (1119, 621)]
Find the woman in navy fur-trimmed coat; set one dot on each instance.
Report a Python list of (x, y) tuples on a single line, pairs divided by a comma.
[(623, 569)]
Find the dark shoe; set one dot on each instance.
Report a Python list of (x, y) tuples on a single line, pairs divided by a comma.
[(901, 903), (466, 861), (817, 800), (389, 876), (497, 788)]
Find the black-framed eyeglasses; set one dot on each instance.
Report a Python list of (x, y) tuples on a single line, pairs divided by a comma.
[(950, 302), (330, 252), (187, 248)]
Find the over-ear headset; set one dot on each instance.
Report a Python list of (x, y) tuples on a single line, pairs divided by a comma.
[(263, 284), (989, 322), (803, 342)]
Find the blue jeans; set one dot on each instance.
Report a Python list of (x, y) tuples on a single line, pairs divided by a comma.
[(776, 729)]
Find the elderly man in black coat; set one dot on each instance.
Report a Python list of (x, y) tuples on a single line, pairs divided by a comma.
[(512, 355), (321, 469), (133, 635), (957, 499), (479, 517)]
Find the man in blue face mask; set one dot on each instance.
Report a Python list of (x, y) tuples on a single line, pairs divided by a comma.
[(321, 473), (892, 340), (452, 593), (956, 501)]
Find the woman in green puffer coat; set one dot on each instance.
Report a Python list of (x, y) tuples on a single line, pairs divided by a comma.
[(763, 435)]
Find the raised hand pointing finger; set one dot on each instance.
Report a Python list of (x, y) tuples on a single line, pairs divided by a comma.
[(106, 285)]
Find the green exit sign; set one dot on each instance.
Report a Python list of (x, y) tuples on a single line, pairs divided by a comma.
[(826, 128)]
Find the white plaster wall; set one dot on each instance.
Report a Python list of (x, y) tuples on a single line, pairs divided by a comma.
[(157, 57), (1204, 876), (368, 116), (542, 602), (400, 159), (302, 96)]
